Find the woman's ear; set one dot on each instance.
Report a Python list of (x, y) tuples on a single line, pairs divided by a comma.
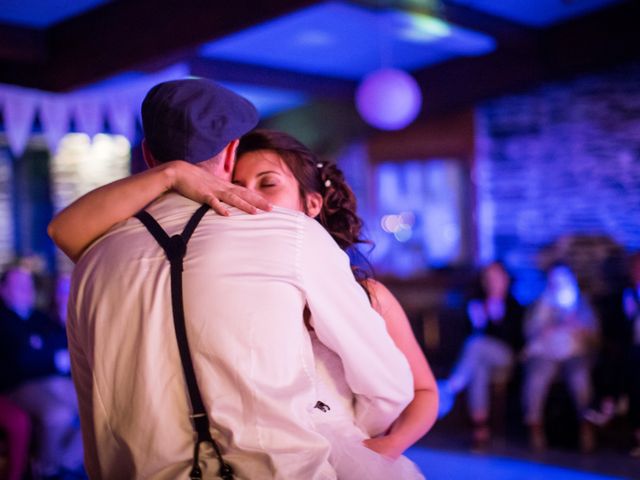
[(230, 156), (313, 204)]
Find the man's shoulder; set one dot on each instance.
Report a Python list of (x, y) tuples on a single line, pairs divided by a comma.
[(168, 210), (171, 207), (276, 213), (314, 232), (280, 218), (173, 212)]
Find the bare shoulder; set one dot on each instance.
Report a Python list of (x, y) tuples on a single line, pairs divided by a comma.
[(382, 300)]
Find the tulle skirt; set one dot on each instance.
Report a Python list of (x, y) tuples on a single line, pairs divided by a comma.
[(353, 461)]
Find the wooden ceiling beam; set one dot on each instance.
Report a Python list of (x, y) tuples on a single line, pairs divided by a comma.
[(124, 35), (21, 44), (506, 33), (600, 40), (463, 82)]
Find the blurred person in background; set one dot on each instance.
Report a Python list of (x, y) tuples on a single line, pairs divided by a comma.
[(34, 374), (631, 301), (16, 426), (60, 299), (561, 333), (610, 399), (489, 354)]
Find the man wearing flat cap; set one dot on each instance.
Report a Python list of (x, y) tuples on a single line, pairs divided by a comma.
[(234, 289)]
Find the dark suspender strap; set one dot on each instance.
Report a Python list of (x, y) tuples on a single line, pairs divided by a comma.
[(193, 222), (175, 248)]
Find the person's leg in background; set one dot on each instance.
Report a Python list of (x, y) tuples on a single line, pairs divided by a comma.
[(461, 375), (464, 369), (54, 411), (17, 426), (634, 397), (577, 373), (539, 373), (493, 363)]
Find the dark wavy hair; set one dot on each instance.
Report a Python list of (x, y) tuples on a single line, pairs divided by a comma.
[(338, 214)]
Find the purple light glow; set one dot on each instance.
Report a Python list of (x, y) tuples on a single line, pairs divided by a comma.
[(389, 99)]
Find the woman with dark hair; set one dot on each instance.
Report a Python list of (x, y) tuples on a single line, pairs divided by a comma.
[(488, 355), (289, 175), (313, 178)]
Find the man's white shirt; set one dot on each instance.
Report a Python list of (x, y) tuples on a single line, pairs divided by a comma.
[(246, 281)]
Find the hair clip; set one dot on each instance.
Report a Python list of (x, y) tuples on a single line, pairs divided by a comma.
[(327, 183)]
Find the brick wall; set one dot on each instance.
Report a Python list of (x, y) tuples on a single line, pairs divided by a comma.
[(561, 159)]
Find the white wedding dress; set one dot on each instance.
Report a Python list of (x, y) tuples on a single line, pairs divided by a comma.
[(334, 419)]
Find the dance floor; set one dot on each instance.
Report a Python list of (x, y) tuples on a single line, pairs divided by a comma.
[(444, 465)]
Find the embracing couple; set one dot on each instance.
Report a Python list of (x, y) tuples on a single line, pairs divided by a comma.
[(243, 347)]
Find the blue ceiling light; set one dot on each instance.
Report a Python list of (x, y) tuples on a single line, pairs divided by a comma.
[(315, 39), (421, 28), (389, 99), (343, 40)]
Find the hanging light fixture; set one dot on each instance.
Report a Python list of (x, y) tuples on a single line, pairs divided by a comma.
[(390, 98)]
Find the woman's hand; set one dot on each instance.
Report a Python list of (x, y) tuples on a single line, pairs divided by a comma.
[(477, 314), (630, 305), (384, 446), (81, 223), (199, 185)]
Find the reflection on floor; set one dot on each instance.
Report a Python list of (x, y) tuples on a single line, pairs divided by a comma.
[(445, 452), (446, 465)]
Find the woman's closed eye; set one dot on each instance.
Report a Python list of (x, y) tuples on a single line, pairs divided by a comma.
[(270, 181)]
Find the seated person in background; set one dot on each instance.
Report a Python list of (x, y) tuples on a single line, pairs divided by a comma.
[(488, 354), (16, 426), (561, 334), (631, 301), (34, 374), (60, 299)]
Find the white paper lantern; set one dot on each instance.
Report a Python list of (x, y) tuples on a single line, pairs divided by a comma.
[(389, 99)]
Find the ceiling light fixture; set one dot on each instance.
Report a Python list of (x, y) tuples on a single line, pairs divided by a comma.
[(390, 98)]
